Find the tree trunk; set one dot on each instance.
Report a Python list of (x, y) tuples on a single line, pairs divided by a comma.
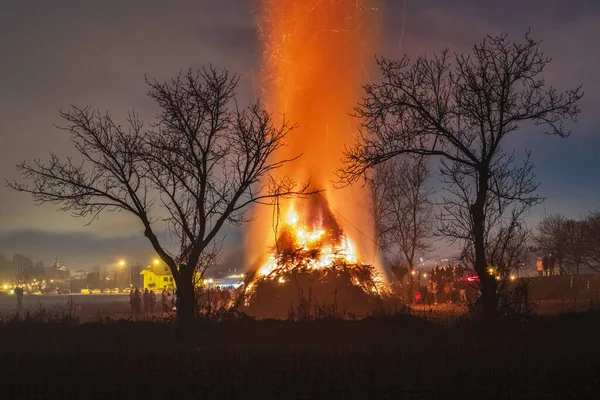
[(186, 306), (487, 281)]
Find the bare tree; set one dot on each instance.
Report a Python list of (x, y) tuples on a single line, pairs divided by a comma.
[(460, 109), (505, 234), (379, 183), (552, 238), (592, 235), (577, 243), (411, 213), (22, 270), (196, 169), (402, 211)]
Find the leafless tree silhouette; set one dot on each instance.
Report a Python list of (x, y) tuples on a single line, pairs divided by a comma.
[(196, 169), (592, 241), (459, 109), (552, 238), (402, 210)]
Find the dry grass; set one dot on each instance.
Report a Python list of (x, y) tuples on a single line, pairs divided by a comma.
[(400, 356)]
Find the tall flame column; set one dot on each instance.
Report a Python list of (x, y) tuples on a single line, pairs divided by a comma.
[(316, 54)]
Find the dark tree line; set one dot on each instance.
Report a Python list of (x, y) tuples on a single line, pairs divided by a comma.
[(569, 244)]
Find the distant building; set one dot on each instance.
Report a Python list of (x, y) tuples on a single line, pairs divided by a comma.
[(80, 274), (157, 277), (56, 272)]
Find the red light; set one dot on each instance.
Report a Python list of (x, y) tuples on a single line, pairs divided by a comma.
[(472, 278)]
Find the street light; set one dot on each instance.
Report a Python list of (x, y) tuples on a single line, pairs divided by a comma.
[(156, 261)]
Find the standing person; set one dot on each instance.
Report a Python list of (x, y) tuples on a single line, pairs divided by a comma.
[(132, 302), (137, 301), (164, 297), (434, 290), (146, 301), (463, 295), (19, 292), (152, 298), (174, 300), (226, 296), (539, 264)]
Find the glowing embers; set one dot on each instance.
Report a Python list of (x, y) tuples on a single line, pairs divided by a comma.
[(312, 246)]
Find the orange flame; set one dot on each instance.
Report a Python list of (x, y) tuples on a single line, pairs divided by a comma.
[(316, 55), (309, 239)]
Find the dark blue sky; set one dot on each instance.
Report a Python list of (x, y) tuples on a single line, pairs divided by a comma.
[(58, 52)]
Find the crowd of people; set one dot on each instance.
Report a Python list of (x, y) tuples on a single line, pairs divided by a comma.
[(447, 284), (213, 299), (144, 303), (208, 300)]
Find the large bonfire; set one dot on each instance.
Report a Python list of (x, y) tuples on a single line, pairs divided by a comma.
[(315, 57)]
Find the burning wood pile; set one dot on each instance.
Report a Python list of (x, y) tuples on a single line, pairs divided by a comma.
[(313, 262)]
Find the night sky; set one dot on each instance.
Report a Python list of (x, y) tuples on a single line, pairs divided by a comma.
[(61, 52)]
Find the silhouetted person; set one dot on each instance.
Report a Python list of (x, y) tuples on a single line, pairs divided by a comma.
[(175, 300), (434, 290), (146, 300), (165, 301), (539, 264), (19, 292), (462, 290), (137, 303), (152, 298), (132, 302), (226, 298)]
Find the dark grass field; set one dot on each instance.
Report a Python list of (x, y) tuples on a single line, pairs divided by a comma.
[(385, 357)]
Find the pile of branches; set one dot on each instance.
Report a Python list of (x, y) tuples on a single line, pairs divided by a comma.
[(295, 262), (341, 290)]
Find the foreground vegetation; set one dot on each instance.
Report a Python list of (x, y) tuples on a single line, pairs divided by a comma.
[(238, 357)]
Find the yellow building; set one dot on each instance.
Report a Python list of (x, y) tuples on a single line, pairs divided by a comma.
[(157, 278)]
